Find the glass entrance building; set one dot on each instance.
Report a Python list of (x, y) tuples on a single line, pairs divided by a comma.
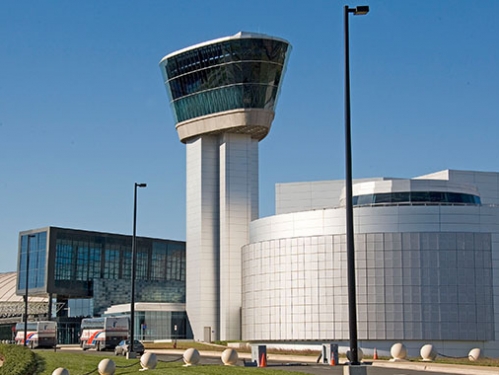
[(86, 273)]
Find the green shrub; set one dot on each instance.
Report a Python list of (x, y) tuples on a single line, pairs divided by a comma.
[(18, 360)]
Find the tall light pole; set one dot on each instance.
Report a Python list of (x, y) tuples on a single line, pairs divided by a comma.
[(26, 293), (352, 303), (131, 353)]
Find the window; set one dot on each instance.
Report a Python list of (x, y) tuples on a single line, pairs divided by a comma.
[(239, 73), (175, 267), (158, 261), (112, 262), (37, 251), (63, 260), (416, 197)]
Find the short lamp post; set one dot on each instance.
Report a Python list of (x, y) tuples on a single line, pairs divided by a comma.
[(131, 352), (352, 303), (29, 236)]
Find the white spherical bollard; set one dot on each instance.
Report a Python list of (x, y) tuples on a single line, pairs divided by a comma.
[(60, 371), (360, 355), (474, 354), (428, 352), (148, 361), (106, 367), (229, 357), (398, 352), (191, 357)]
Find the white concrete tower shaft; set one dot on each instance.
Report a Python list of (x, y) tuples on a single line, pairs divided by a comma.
[(223, 94)]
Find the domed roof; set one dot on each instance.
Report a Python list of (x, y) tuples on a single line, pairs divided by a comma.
[(12, 305), (8, 289)]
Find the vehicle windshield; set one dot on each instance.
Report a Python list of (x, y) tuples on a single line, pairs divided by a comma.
[(127, 342)]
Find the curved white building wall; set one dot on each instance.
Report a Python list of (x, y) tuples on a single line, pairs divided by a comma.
[(424, 273)]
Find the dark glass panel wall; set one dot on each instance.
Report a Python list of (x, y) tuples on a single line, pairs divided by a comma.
[(83, 257), (168, 263), (37, 261), (236, 73), (233, 50), (416, 197), (160, 325)]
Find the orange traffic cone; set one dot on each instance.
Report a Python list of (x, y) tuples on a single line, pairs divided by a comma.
[(375, 355), (333, 362), (263, 360)]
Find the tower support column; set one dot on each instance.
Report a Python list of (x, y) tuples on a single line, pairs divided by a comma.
[(202, 235), (238, 207)]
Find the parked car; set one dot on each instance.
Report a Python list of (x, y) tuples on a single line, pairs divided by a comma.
[(122, 347)]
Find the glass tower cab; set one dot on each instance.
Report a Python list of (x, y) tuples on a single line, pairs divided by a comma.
[(237, 74)]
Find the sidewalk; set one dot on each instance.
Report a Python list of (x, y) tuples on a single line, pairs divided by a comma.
[(440, 367)]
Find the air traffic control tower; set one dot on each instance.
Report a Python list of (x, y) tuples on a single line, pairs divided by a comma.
[(223, 94)]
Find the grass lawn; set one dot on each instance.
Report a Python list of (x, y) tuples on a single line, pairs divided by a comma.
[(81, 364)]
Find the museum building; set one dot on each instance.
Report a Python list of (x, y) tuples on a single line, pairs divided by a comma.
[(427, 264), (85, 273)]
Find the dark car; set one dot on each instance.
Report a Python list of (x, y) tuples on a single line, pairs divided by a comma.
[(122, 347)]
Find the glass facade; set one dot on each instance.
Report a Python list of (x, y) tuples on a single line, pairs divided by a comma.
[(232, 74), (82, 257), (79, 307), (157, 325), (36, 251), (69, 263), (416, 197)]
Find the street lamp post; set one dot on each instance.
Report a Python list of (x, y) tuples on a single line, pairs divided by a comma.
[(352, 303), (26, 293), (131, 353)]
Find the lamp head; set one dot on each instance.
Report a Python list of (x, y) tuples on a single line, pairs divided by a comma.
[(141, 185), (361, 10)]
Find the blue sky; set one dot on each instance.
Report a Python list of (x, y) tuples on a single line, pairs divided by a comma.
[(84, 113)]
